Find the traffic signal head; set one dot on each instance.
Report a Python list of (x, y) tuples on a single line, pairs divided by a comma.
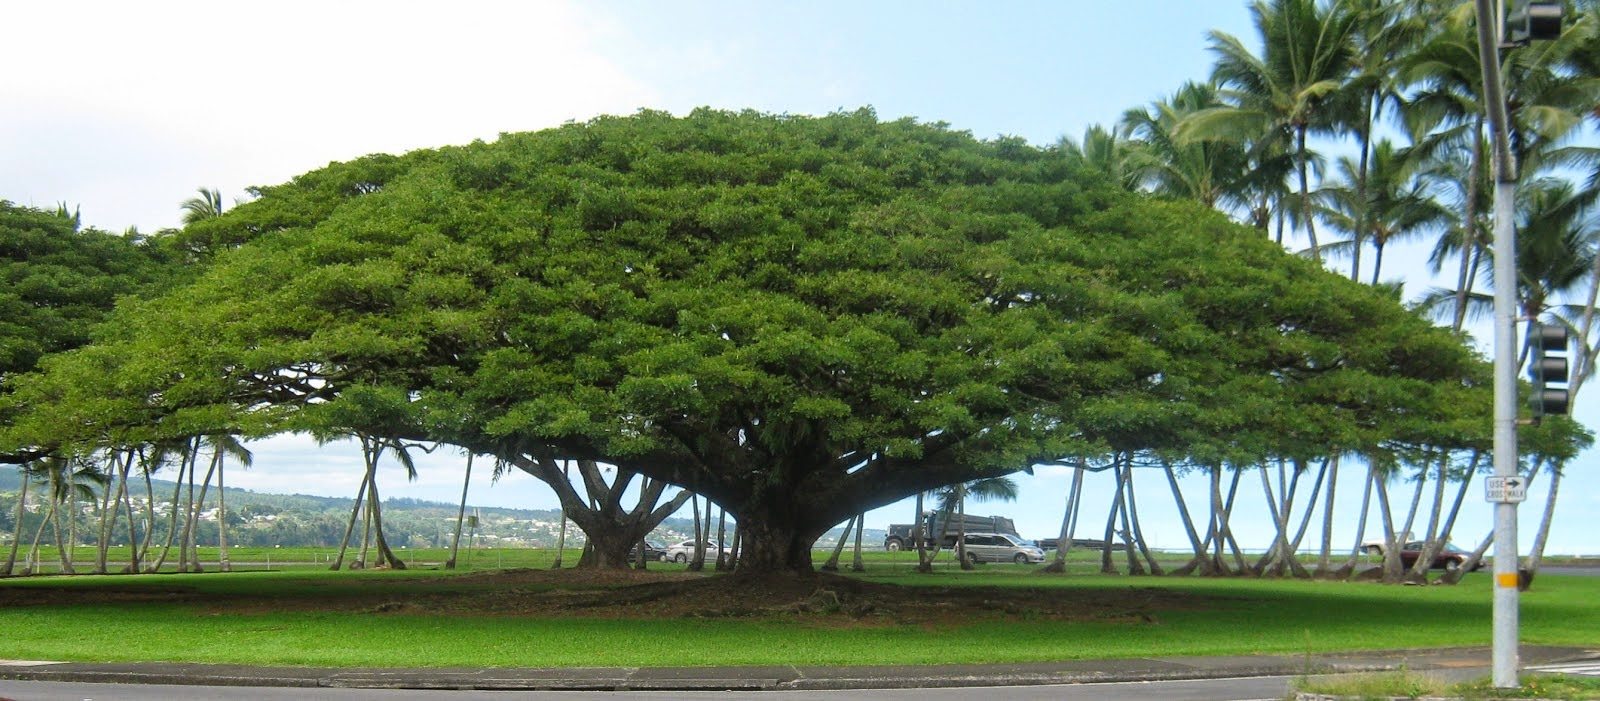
[(1547, 367), (1534, 20)]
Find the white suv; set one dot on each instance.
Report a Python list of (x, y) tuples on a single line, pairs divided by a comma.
[(683, 551)]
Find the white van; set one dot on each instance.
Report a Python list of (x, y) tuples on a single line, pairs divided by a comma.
[(1001, 547)]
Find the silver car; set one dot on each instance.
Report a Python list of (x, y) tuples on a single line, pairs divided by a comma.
[(1001, 547)]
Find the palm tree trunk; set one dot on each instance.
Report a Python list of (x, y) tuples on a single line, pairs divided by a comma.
[(108, 513), (193, 531), (832, 565), (350, 527), (1431, 544), (1198, 560), (1138, 530), (1536, 554), (1107, 563), (149, 510), (1325, 552), (127, 507), (1305, 195), (1461, 494), (1224, 530), (33, 564), (1469, 238), (222, 520), (188, 512), (1349, 565), (63, 538), (461, 515), (961, 527), (185, 464), (561, 538), (16, 531), (1392, 540), (102, 545), (722, 535), (697, 561), (1365, 135), (68, 549), (856, 564), (386, 556), (1068, 519), (924, 565)]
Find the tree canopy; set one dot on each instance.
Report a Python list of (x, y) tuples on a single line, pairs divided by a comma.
[(799, 317)]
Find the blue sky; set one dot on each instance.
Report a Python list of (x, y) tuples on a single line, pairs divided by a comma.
[(146, 102)]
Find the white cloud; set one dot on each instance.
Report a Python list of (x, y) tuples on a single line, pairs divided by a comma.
[(148, 101)]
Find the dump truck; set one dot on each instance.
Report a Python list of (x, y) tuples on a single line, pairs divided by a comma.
[(900, 535)]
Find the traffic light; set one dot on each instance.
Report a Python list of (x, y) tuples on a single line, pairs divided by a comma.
[(1547, 367), (1534, 20)]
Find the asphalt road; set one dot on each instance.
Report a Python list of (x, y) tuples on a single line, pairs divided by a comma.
[(1241, 689)]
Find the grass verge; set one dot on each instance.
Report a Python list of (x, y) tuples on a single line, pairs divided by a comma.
[(304, 618)]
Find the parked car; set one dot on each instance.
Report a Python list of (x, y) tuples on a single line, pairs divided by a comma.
[(1449, 557), (653, 551), (683, 551), (1001, 547)]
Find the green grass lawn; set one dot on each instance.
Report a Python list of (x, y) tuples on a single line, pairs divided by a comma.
[(1230, 617)]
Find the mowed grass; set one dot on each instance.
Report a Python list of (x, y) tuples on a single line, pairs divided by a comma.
[(1223, 616)]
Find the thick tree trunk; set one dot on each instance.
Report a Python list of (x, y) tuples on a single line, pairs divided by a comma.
[(611, 530), (769, 546)]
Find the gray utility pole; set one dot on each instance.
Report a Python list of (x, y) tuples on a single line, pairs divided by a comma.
[(1505, 329)]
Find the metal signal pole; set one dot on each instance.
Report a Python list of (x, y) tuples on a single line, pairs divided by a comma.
[(1505, 325)]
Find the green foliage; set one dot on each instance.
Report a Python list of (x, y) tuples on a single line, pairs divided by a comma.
[(832, 311), (58, 281)]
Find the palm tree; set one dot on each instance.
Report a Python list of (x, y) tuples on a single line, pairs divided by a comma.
[(954, 498), (1214, 173), (205, 205), (1391, 202), (1384, 30), (1281, 96), (1105, 152)]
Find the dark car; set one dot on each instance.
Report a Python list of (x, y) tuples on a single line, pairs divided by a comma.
[(1448, 558), (653, 552)]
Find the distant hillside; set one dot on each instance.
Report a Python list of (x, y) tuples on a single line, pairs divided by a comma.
[(265, 519)]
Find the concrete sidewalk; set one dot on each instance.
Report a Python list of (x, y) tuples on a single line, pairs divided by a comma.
[(783, 677)]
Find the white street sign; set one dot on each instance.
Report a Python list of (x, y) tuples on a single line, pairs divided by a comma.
[(1505, 490)]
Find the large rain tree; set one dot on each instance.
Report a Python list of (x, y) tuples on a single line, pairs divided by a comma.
[(799, 318)]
